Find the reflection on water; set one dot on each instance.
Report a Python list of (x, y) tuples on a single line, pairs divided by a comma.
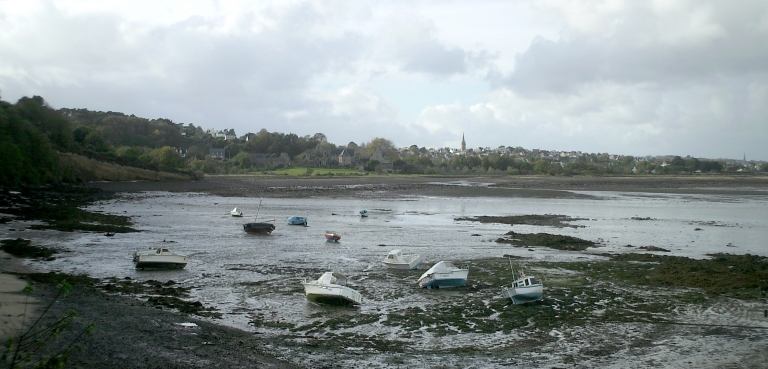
[(257, 276)]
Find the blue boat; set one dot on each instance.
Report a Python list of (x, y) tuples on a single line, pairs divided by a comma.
[(295, 220), (364, 213), (444, 275)]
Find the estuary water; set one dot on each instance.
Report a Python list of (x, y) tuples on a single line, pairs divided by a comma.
[(248, 276)]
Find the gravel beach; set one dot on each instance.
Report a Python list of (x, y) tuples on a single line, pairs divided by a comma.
[(133, 334)]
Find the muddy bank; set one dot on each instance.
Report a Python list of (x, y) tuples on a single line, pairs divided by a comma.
[(509, 186), (59, 208), (134, 334)]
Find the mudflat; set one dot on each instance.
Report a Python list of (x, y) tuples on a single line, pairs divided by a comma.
[(131, 333), (508, 186)]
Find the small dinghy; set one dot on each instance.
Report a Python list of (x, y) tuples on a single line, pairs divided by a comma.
[(331, 236), (296, 220)]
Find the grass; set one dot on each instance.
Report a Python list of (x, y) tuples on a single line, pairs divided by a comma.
[(318, 172)]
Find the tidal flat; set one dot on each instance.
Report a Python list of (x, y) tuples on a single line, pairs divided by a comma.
[(616, 303)]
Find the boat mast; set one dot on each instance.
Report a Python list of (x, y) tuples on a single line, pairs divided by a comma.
[(511, 267), (257, 210)]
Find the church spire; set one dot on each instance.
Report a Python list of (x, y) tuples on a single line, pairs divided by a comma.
[(463, 143)]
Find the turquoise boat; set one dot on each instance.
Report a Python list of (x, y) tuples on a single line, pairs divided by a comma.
[(296, 220)]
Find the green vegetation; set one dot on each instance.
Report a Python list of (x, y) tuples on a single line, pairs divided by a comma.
[(317, 172)]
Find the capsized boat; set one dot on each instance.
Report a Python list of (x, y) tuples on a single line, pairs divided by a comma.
[(524, 288), (364, 213), (331, 288), (236, 212), (296, 220), (332, 236), (397, 260), (444, 275), (159, 258)]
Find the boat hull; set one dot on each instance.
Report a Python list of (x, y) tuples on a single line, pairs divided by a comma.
[(160, 261), (522, 295), (403, 266), (332, 237), (444, 280), (443, 283), (331, 294), (160, 265), (258, 228)]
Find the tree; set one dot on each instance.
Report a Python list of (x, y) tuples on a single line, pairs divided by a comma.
[(386, 146), (370, 165), (541, 166), (243, 160)]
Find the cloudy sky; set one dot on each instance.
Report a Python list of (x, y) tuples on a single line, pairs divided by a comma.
[(655, 77)]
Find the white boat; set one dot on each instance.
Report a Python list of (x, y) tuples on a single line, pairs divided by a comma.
[(236, 212), (524, 288), (444, 275), (159, 258), (331, 288), (396, 260), (364, 213)]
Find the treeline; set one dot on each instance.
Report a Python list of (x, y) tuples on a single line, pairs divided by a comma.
[(587, 164), (32, 134)]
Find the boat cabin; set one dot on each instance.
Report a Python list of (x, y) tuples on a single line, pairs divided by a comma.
[(333, 278), (395, 255), (529, 281)]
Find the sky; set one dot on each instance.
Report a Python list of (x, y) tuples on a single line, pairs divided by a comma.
[(653, 77)]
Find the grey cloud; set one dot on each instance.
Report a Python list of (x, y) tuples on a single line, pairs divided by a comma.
[(433, 58), (638, 50)]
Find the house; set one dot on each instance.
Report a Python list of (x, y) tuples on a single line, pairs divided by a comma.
[(218, 153), (347, 157), (181, 151), (383, 159)]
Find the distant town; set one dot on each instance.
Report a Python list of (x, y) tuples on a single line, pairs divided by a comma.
[(382, 155)]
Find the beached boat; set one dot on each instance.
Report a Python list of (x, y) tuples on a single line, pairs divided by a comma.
[(444, 275), (258, 227), (331, 288), (397, 260), (331, 236), (364, 213), (295, 220), (159, 258), (236, 212), (524, 288)]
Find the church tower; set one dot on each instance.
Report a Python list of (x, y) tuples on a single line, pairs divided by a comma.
[(463, 143)]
